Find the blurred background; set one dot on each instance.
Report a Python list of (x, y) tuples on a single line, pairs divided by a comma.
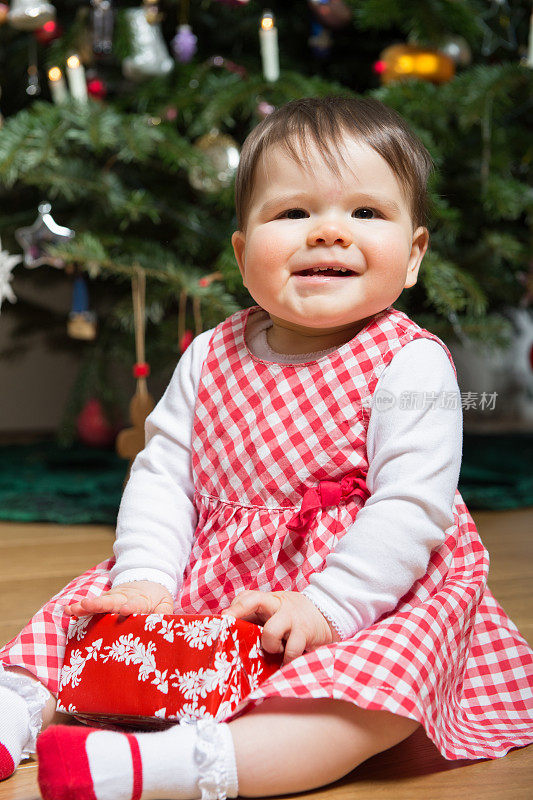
[(121, 131)]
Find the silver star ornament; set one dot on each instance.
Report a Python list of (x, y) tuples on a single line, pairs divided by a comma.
[(34, 239)]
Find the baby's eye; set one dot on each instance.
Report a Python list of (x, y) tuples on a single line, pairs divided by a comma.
[(294, 213), (365, 213)]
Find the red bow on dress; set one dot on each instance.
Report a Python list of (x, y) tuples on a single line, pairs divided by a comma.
[(327, 493)]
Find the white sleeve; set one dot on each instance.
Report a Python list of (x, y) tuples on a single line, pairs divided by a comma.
[(414, 457), (157, 516)]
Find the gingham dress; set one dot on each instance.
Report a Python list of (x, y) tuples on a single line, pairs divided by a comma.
[(279, 461)]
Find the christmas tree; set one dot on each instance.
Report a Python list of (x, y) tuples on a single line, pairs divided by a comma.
[(122, 126)]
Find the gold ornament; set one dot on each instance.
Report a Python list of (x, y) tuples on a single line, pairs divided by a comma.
[(222, 153), (404, 61)]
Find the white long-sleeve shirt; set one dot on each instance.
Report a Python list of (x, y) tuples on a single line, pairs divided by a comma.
[(414, 457)]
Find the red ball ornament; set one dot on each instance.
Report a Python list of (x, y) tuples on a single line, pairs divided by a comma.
[(93, 427), (141, 370), (96, 88), (48, 32), (185, 340)]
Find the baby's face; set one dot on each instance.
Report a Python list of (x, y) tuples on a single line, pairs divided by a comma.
[(300, 220)]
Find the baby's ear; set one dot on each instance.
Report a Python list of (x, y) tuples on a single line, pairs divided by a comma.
[(418, 248), (238, 241)]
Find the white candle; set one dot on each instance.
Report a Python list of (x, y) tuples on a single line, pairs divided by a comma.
[(268, 38), (57, 84), (76, 79)]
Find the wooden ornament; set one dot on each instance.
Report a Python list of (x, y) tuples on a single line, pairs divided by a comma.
[(130, 441)]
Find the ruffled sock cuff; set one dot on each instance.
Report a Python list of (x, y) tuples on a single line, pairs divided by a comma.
[(214, 755), (35, 694)]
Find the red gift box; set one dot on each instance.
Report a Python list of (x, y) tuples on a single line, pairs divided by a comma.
[(148, 670)]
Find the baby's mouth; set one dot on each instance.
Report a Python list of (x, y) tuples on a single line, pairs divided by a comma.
[(335, 272)]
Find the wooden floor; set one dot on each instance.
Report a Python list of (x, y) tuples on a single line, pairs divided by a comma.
[(38, 560)]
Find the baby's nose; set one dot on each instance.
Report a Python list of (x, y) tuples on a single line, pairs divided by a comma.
[(329, 233)]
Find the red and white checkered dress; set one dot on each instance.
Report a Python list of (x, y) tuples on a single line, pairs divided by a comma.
[(279, 461)]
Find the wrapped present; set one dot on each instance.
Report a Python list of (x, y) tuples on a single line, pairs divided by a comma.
[(151, 670)]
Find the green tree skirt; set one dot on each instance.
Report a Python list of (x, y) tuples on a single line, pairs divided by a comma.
[(47, 483)]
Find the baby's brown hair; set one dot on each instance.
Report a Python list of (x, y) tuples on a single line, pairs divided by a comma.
[(324, 120)]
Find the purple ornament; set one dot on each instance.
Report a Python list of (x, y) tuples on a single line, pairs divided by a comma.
[(184, 44)]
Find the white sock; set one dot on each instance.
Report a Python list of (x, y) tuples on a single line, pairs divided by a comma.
[(185, 762), (14, 730)]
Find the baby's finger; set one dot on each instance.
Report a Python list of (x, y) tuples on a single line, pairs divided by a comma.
[(105, 604), (294, 646), (253, 606), (274, 633)]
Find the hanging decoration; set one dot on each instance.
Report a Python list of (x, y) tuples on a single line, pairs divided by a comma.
[(130, 441), (150, 57), (404, 61), (81, 322), (93, 427), (458, 49), (44, 231), (28, 15), (268, 39), (184, 42), (7, 263), (264, 109), (222, 152), (102, 19), (48, 32), (320, 41), (332, 13), (96, 87)]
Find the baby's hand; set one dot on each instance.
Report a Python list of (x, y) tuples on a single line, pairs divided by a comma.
[(138, 597), (288, 616)]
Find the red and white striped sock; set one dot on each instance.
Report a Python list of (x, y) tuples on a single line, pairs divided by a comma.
[(182, 763), (14, 730)]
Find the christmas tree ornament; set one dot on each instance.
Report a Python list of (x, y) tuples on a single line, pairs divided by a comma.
[(404, 61), (222, 153), (268, 39), (320, 41), (44, 231), (458, 49), (77, 82), (93, 427), (332, 13), (150, 57), (207, 280), (184, 44), (96, 88), (231, 66), (48, 32), (264, 109), (58, 87), (102, 19), (4, 11), (81, 322), (28, 15), (151, 11), (130, 441), (7, 265)]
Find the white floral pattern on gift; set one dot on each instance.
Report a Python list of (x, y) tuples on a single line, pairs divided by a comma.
[(71, 673), (133, 651)]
